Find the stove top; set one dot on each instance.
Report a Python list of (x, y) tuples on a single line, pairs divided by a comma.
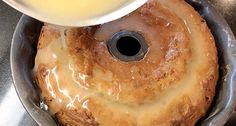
[(12, 113)]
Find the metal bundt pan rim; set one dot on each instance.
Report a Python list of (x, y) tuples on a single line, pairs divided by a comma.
[(23, 50), (226, 45)]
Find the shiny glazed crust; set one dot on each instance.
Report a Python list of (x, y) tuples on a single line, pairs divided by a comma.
[(174, 84)]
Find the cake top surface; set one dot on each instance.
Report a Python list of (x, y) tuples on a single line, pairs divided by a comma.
[(174, 84)]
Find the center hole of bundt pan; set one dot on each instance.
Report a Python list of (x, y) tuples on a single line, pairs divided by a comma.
[(127, 46)]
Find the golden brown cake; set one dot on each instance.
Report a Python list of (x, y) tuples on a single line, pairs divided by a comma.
[(173, 85)]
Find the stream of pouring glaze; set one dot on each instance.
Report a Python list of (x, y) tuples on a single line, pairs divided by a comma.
[(82, 84)]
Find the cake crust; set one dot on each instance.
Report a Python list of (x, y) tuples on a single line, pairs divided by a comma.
[(173, 85)]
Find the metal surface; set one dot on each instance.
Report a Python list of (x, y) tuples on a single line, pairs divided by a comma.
[(224, 103), (12, 112), (125, 9), (23, 52), (127, 54)]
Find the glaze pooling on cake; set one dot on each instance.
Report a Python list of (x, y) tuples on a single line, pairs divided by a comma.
[(174, 84)]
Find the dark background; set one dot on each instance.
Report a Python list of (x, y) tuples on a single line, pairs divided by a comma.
[(11, 111)]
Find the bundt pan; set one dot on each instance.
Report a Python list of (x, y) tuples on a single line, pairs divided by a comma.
[(23, 51)]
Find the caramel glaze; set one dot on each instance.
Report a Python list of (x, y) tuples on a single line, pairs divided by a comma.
[(164, 63), (174, 84)]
